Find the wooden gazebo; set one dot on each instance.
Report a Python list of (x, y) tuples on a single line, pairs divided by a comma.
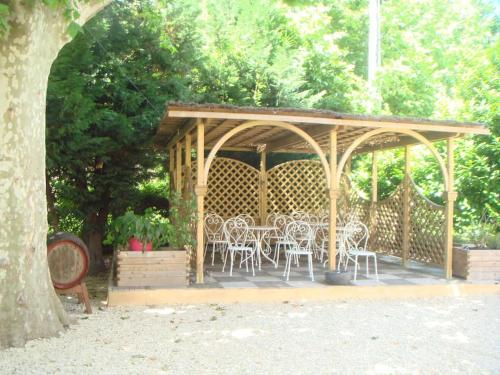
[(229, 185)]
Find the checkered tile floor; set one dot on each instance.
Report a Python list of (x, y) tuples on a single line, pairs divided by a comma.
[(390, 272)]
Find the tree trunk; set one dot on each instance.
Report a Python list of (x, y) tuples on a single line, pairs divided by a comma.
[(29, 307), (93, 235)]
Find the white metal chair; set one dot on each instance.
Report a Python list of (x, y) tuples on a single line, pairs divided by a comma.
[(236, 234), (214, 236), (322, 242), (300, 234), (271, 218), (251, 239), (355, 240), (300, 215), (247, 218), (279, 235)]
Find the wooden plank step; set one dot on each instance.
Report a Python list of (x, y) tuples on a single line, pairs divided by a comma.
[(151, 275), (132, 261), (151, 254), (152, 267), (157, 283)]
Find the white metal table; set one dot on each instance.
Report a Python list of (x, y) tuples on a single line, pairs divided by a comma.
[(260, 231)]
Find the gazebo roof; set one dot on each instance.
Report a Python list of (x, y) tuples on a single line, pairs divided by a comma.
[(181, 118)]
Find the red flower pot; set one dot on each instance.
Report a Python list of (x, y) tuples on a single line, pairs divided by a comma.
[(135, 245)]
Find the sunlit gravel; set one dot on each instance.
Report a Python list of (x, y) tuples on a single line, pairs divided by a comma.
[(411, 336)]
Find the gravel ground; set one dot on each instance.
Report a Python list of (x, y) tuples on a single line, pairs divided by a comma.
[(413, 336)]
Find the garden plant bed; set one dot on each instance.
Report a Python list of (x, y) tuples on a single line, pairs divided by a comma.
[(476, 264), (165, 267)]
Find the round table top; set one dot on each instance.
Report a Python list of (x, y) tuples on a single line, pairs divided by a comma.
[(262, 227)]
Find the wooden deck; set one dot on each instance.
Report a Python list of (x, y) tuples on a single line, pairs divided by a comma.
[(395, 281)]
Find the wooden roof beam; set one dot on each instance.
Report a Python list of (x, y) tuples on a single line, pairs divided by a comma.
[(185, 128), (368, 123), (212, 134), (291, 139), (403, 141)]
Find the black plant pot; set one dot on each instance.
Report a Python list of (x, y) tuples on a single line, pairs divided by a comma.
[(338, 277)]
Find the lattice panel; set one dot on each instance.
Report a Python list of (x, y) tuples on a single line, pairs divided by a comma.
[(427, 229), (387, 224), (298, 185), (233, 188)]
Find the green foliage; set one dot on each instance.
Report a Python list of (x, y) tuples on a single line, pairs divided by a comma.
[(4, 14), (69, 9), (182, 213), (108, 87), (484, 234), (106, 94), (150, 227)]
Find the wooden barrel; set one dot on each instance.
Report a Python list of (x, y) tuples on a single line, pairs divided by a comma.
[(68, 259)]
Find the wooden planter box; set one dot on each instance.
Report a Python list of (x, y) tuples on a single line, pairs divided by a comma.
[(476, 264), (161, 268)]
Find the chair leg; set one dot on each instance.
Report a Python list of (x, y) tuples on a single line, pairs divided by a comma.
[(367, 267), (288, 262), (355, 267), (232, 261), (213, 253), (375, 261), (311, 270), (288, 268), (340, 261), (253, 268)]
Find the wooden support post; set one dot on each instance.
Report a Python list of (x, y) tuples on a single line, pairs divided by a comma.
[(178, 168), (373, 206), (451, 196), (374, 177), (406, 222), (187, 158), (200, 191), (171, 168), (333, 193), (263, 187)]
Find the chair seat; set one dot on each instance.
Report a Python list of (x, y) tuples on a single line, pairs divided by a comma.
[(240, 248), (361, 252), (216, 241), (285, 242), (299, 252)]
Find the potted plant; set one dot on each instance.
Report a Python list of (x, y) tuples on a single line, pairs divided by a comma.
[(170, 239), (476, 256), (140, 232)]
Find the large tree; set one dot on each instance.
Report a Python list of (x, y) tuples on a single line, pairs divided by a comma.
[(29, 307), (106, 95)]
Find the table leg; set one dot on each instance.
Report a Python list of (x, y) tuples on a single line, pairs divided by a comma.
[(259, 249)]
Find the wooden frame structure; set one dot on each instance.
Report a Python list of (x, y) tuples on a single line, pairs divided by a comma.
[(328, 134)]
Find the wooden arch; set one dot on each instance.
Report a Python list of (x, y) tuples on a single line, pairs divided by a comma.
[(409, 132), (280, 124)]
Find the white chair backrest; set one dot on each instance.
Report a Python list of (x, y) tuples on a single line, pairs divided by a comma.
[(313, 219), (325, 219), (300, 215), (213, 224), (280, 222), (355, 235), (236, 232), (247, 218), (300, 233), (322, 233), (270, 219)]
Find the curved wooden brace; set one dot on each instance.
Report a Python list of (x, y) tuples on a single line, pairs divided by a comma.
[(411, 133), (280, 124)]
